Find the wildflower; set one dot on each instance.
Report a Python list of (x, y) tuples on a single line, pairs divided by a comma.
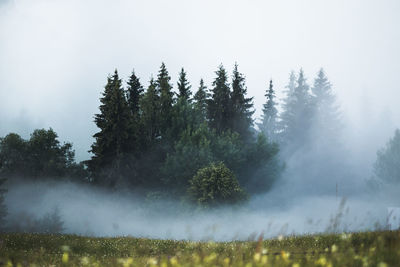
[(65, 257), (321, 261), (285, 255), (210, 257), (226, 261), (257, 257), (152, 261), (382, 264), (334, 248), (296, 265), (264, 251), (85, 261), (264, 259), (174, 261)]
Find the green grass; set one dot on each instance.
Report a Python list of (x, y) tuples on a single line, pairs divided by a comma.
[(357, 249)]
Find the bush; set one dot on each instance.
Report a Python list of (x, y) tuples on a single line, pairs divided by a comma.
[(215, 185)]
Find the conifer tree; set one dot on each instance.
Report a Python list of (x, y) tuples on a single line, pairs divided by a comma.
[(184, 86), (166, 99), (112, 141), (150, 105), (134, 93), (219, 113), (240, 106), (326, 111), (269, 116), (201, 98), (297, 115)]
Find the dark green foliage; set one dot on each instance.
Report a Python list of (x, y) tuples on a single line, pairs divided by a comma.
[(150, 105), (269, 116), (42, 156), (262, 167), (134, 94), (184, 86), (3, 208), (166, 100), (215, 185), (387, 164), (192, 152), (201, 98), (112, 142), (219, 113), (241, 108)]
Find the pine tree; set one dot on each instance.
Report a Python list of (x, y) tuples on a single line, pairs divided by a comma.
[(166, 100), (219, 113), (134, 93), (240, 106), (184, 86), (269, 116), (297, 115), (326, 111), (112, 141), (201, 98), (150, 105)]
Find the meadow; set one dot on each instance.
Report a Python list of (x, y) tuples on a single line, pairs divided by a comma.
[(378, 248)]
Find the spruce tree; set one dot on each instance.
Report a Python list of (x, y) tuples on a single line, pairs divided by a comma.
[(219, 113), (269, 116), (150, 105), (326, 111), (296, 118), (134, 93), (184, 86), (240, 106), (166, 100), (201, 98), (112, 141)]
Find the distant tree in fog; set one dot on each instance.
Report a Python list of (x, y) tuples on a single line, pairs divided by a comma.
[(387, 164), (296, 117), (269, 115), (326, 118)]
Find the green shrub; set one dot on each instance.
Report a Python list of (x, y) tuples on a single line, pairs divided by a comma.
[(215, 185)]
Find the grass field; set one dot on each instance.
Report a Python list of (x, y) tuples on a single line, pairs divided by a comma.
[(357, 249)]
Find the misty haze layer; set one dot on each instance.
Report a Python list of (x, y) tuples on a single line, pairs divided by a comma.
[(88, 211)]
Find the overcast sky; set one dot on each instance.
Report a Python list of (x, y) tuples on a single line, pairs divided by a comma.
[(55, 55)]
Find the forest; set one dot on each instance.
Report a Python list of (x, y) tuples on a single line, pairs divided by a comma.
[(194, 144)]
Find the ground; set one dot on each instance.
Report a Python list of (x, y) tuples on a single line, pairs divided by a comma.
[(380, 248)]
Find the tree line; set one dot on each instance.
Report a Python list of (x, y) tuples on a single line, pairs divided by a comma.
[(183, 142)]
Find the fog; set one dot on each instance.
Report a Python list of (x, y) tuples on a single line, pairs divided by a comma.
[(55, 57)]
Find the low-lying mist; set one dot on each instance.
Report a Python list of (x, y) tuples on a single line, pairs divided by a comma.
[(89, 211)]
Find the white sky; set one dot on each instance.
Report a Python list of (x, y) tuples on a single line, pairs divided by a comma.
[(55, 55)]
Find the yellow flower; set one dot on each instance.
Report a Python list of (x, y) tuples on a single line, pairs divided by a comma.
[(264, 259), (85, 261), (334, 248), (174, 261), (321, 261), (296, 265), (65, 257), (382, 264), (226, 261), (257, 257)]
